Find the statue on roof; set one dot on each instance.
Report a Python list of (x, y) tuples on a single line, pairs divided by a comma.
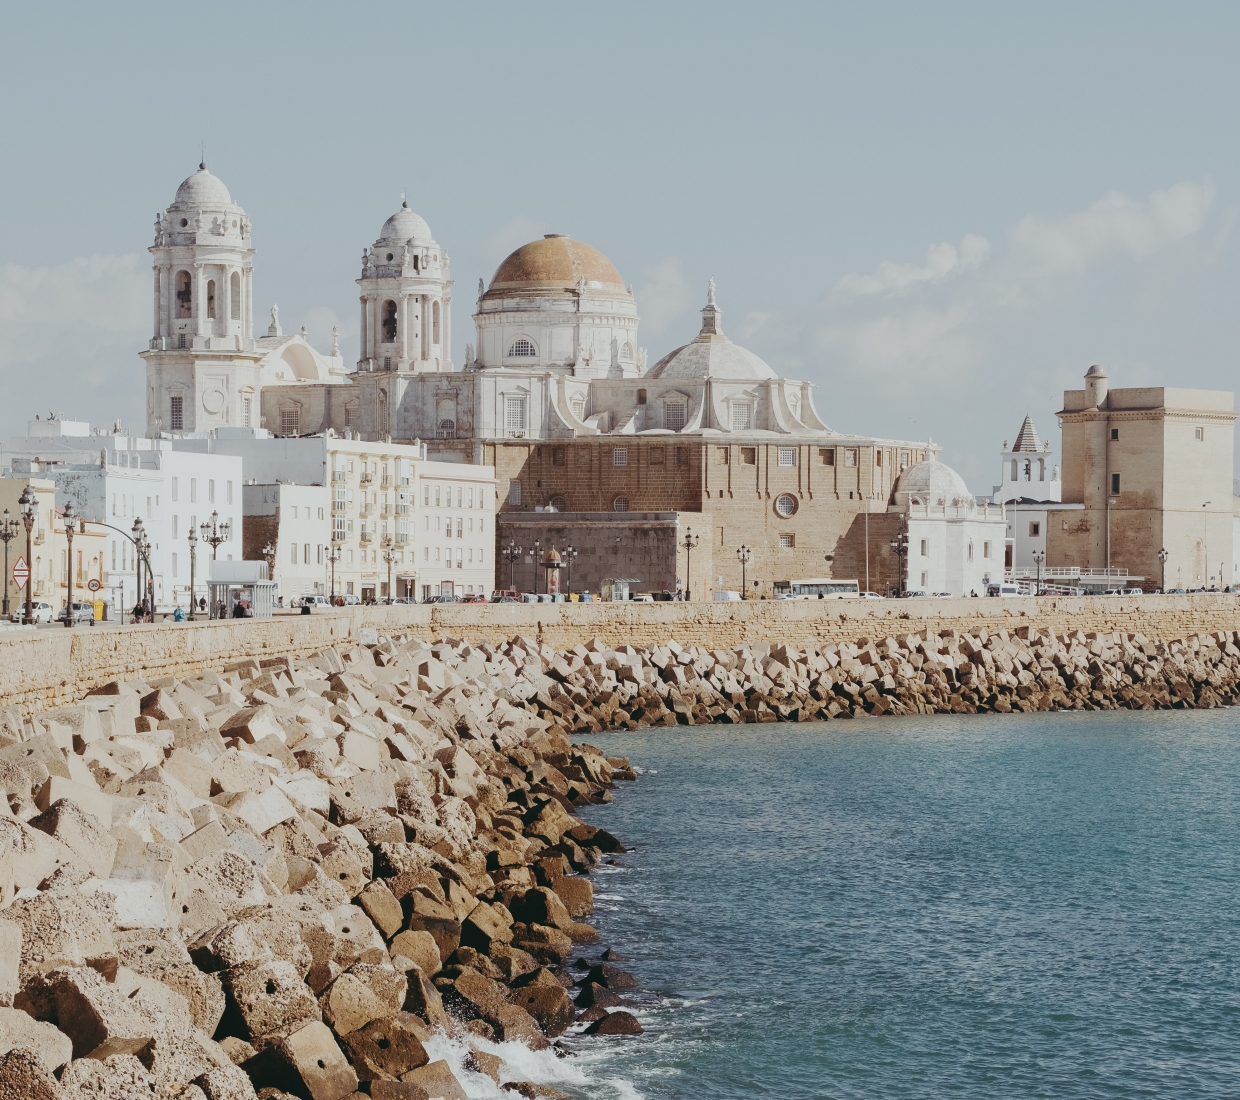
[(710, 292)]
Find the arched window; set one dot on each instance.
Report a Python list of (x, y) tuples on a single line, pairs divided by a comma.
[(1028, 469), (561, 505), (522, 348), (1015, 466), (620, 504), (446, 430), (434, 322), (211, 299), (389, 322), (626, 352), (235, 284), (786, 505), (185, 294)]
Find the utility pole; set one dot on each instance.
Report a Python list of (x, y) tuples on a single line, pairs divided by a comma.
[(333, 556), (1039, 556), (193, 564), (8, 532), (900, 545), (70, 524), (389, 556)]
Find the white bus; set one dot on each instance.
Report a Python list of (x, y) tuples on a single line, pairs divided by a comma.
[(818, 588)]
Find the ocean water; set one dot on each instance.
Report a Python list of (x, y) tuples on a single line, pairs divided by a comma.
[(985, 906)]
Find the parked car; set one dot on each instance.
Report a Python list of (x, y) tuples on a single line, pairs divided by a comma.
[(504, 599), (477, 597), (82, 613), (1177, 592), (40, 610), (352, 600), (870, 596), (1132, 591), (313, 601), (642, 597), (442, 599)]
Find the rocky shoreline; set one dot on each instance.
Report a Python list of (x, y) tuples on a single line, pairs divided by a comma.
[(287, 877)]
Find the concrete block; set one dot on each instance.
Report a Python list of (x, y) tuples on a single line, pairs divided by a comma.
[(438, 1080), (191, 769), (306, 1062), (382, 907), (419, 947), (23, 1076), (485, 925), (387, 1048), (201, 843), (226, 1083), (269, 996), (360, 749), (349, 1004), (99, 1019), (18, 1029), (259, 811), (232, 879), (306, 791), (80, 831), (339, 862), (253, 724), (61, 928)]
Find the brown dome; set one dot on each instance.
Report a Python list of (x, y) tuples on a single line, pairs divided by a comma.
[(557, 262)]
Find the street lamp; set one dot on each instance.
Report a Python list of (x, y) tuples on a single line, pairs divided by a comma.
[(218, 534), (691, 540), (1205, 548), (137, 545), (900, 545), (389, 556), (193, 561), (333, 556), (269, 556), (70, 524), (566, 556), (537, 552), (1039, 556), (511, 556), (8, 532), (744, 555), (26, 502), (1162, 558)]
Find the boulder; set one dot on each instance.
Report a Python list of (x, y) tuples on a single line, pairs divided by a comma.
[(390, 1047), (615, 1023), (438, 1080), (47, 1042)]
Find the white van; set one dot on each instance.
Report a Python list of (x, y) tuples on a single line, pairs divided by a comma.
[(724, 596)]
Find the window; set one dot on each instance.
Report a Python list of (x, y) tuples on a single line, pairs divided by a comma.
[(434, 322), (514, 417), (290, 422), (986, 550), (557, 502), (785, 505), (559, 457), (174, 564), (177, 420), (827, 455), (185, 295), (460, 496), (1035, 529), (641, 397), (522, 349), (1199, 433), (211, 299), (338, 529), (682, 456), (247, 412), (193, 490), (620, 504), (656, 456), (211, 490), (620, 456), (293, 556), (1114, 433), (742, 417), (228, 496), (446, 429), (878, 458), (388, 322), (1028, 470), (235, 284), (626, 352), (1015, 467), (387, 362), (970, 550), (749, 456), (904, 464), (925, 547), (787, 541), (305, 554), (674, 415), (514, 492), (923, 579), (788, 456), (175, 494), (850, 456), (721, 455), (1115, 484)]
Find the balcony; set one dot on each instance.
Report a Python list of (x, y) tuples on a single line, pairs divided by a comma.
[(366, 478), (338, 476), (366, 536)]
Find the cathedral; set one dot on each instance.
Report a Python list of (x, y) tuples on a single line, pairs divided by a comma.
[(687, 474)]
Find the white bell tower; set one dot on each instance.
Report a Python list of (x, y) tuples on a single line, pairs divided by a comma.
[(202, 364)]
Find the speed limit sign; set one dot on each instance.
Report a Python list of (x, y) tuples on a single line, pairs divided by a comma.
[(93, 585)]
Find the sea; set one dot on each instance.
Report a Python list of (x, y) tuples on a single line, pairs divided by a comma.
[(989, 906)]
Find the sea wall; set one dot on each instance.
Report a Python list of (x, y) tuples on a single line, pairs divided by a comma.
[(48, 668)]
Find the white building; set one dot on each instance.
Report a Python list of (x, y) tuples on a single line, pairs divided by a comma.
[(438, 516), (114, 479), (955, 545), (204, 368), (294, 521)]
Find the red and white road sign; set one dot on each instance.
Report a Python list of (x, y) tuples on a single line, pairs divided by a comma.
[(93, 585), (21, 573)]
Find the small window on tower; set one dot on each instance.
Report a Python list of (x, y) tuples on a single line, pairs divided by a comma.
[(559, 456), (1115, 484), (1114, 433), (234, 283), (1035, 529), (185, 294), (522, 349), (641, 397), (290, 422), (827, 454), (389, 322), (749, 456), (177, 417), (211, 299)]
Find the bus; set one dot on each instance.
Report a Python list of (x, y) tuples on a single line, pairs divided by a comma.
[(817, 588)]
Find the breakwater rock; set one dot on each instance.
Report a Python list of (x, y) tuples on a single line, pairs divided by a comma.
[(290, 876)]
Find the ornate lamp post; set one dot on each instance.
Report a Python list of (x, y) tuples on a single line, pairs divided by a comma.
[(1162, 559), (70, 531), (744, 555), (537, 552), (27, 503), (215, 534), (691, 540), (193, 562), (333, 556), (8, 532), (900, 545), (389, 556), (566, 556), (1039, 556), (511, 555), (139, 557), (148, 601)]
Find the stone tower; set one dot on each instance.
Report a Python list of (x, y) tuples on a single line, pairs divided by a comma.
[(202, 363)]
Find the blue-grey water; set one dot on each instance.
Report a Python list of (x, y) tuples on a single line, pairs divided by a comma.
[(1000, 907)]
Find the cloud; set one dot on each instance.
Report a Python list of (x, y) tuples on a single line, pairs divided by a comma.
[(942, 260), (69, 338), (665, 299), (1114, 225)]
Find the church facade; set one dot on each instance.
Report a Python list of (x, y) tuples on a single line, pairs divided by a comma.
[(667, 474)]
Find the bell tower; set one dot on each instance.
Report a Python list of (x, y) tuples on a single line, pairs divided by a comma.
[(202, 362)]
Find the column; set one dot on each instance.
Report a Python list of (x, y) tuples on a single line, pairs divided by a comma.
[(424, 321), (157, 301), (166, 300), (226, 313), (247, 305), (406, 320), (445, 332), (361, 332), (200, 299)]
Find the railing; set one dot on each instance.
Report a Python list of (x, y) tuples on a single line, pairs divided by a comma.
[(366, 478), (1025, 571)]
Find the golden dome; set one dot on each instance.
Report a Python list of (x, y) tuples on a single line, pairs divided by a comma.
[(556, 263)]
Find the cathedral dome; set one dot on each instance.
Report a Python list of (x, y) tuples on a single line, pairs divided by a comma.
[(556, 262), (203, 189), (931, 482), (712, 354), (405, 224)]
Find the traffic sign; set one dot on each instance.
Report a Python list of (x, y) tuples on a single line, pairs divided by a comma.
[(93, 585), (21, 573)]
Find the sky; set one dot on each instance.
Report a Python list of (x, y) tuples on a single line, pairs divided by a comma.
[(941, 215)]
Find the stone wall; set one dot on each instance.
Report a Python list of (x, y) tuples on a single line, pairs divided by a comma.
[(51, 667)]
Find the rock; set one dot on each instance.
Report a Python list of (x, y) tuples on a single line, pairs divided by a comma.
[(593, 995), (577, 894), (615, 1023), (542, 906), (269, 996), (391, 1047), (225, 1083), (382, 907), (397, 1090), (48, 1043), (60, 928), (438, 1080), (489, 1065), (486, 926), (348, 1005), (24, 1077), (420, 947), (548, 1003), (610, 976), (306, 1062)]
